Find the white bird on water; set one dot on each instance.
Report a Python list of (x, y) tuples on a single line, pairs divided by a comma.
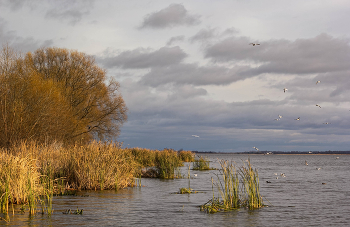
[(254, 44), (298, 119), (195, 136), (279, 116), (318, 105), (285, 89), (326, 123), (318, 81)]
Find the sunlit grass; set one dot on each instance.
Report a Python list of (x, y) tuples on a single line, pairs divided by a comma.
[(237, 188), (201, 163), (31, 174)]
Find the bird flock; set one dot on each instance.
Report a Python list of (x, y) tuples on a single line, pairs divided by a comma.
[(284, 90), (298, 119)]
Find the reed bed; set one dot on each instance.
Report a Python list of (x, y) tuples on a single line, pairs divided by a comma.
[(31, 174), (19, 181), (167, 162), (186, 156), (201, 164), (237, 187), (164, 164)]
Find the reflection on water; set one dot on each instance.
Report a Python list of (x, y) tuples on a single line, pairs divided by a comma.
[(299, 198)]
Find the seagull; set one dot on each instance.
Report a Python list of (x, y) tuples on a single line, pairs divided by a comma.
[(298, 119), (318, 168), (279, 116), (318, 105), (277, 119), (318, 81), (254, 44), (326, 123), (195, 136), (285, 89), (306, 163), (195, 174), (256, 148)]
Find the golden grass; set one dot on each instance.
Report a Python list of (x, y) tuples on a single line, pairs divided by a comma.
[(238, 188), (32, 173)]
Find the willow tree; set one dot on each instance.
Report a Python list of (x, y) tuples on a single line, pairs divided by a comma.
[(57, 94)]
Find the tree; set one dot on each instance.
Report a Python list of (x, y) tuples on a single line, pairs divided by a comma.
[(57, 94)]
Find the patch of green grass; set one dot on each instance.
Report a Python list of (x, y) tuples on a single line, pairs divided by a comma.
[(201, 164), (234, 195), (186, 191)]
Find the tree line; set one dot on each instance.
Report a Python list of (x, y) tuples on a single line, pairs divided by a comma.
[(57, 95)]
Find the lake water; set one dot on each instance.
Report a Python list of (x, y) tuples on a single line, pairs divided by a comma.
[(299, 199)]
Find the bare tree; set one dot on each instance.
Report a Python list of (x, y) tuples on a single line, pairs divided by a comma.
[(57, 94)]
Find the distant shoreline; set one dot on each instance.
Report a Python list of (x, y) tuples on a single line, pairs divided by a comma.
[(279, 152)]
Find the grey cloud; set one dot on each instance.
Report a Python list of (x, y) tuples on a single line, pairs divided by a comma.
[(229, 31), (12, 4), (173, 15), (145, 58), (178, 116), (187, 91), (203, 35), (175, 39), (70, 10), (193, 74), (320, 54), (22, 44)]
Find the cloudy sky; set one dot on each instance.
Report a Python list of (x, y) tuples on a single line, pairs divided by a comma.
[(187, 68)]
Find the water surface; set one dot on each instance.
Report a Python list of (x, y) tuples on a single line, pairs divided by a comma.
[(299, 199)]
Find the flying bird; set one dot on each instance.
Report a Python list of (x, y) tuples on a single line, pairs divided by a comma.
[(195, 136), (285, 89), (318, 81), (318, 105), (298, 119), (254, 44), (256, 148)]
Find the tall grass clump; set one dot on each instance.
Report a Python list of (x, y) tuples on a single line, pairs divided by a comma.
[(237, 188), (145, 157), (19, 181), (201, 164), (31, 174), (166, 162), (186, 156), (96, 166), (250, 179)]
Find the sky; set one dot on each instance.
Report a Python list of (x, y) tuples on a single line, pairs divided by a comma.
[(191, 78)]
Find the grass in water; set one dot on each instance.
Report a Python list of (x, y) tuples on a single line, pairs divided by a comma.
[(234, 195), (201, 164), (188, 190), (31, 174)]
